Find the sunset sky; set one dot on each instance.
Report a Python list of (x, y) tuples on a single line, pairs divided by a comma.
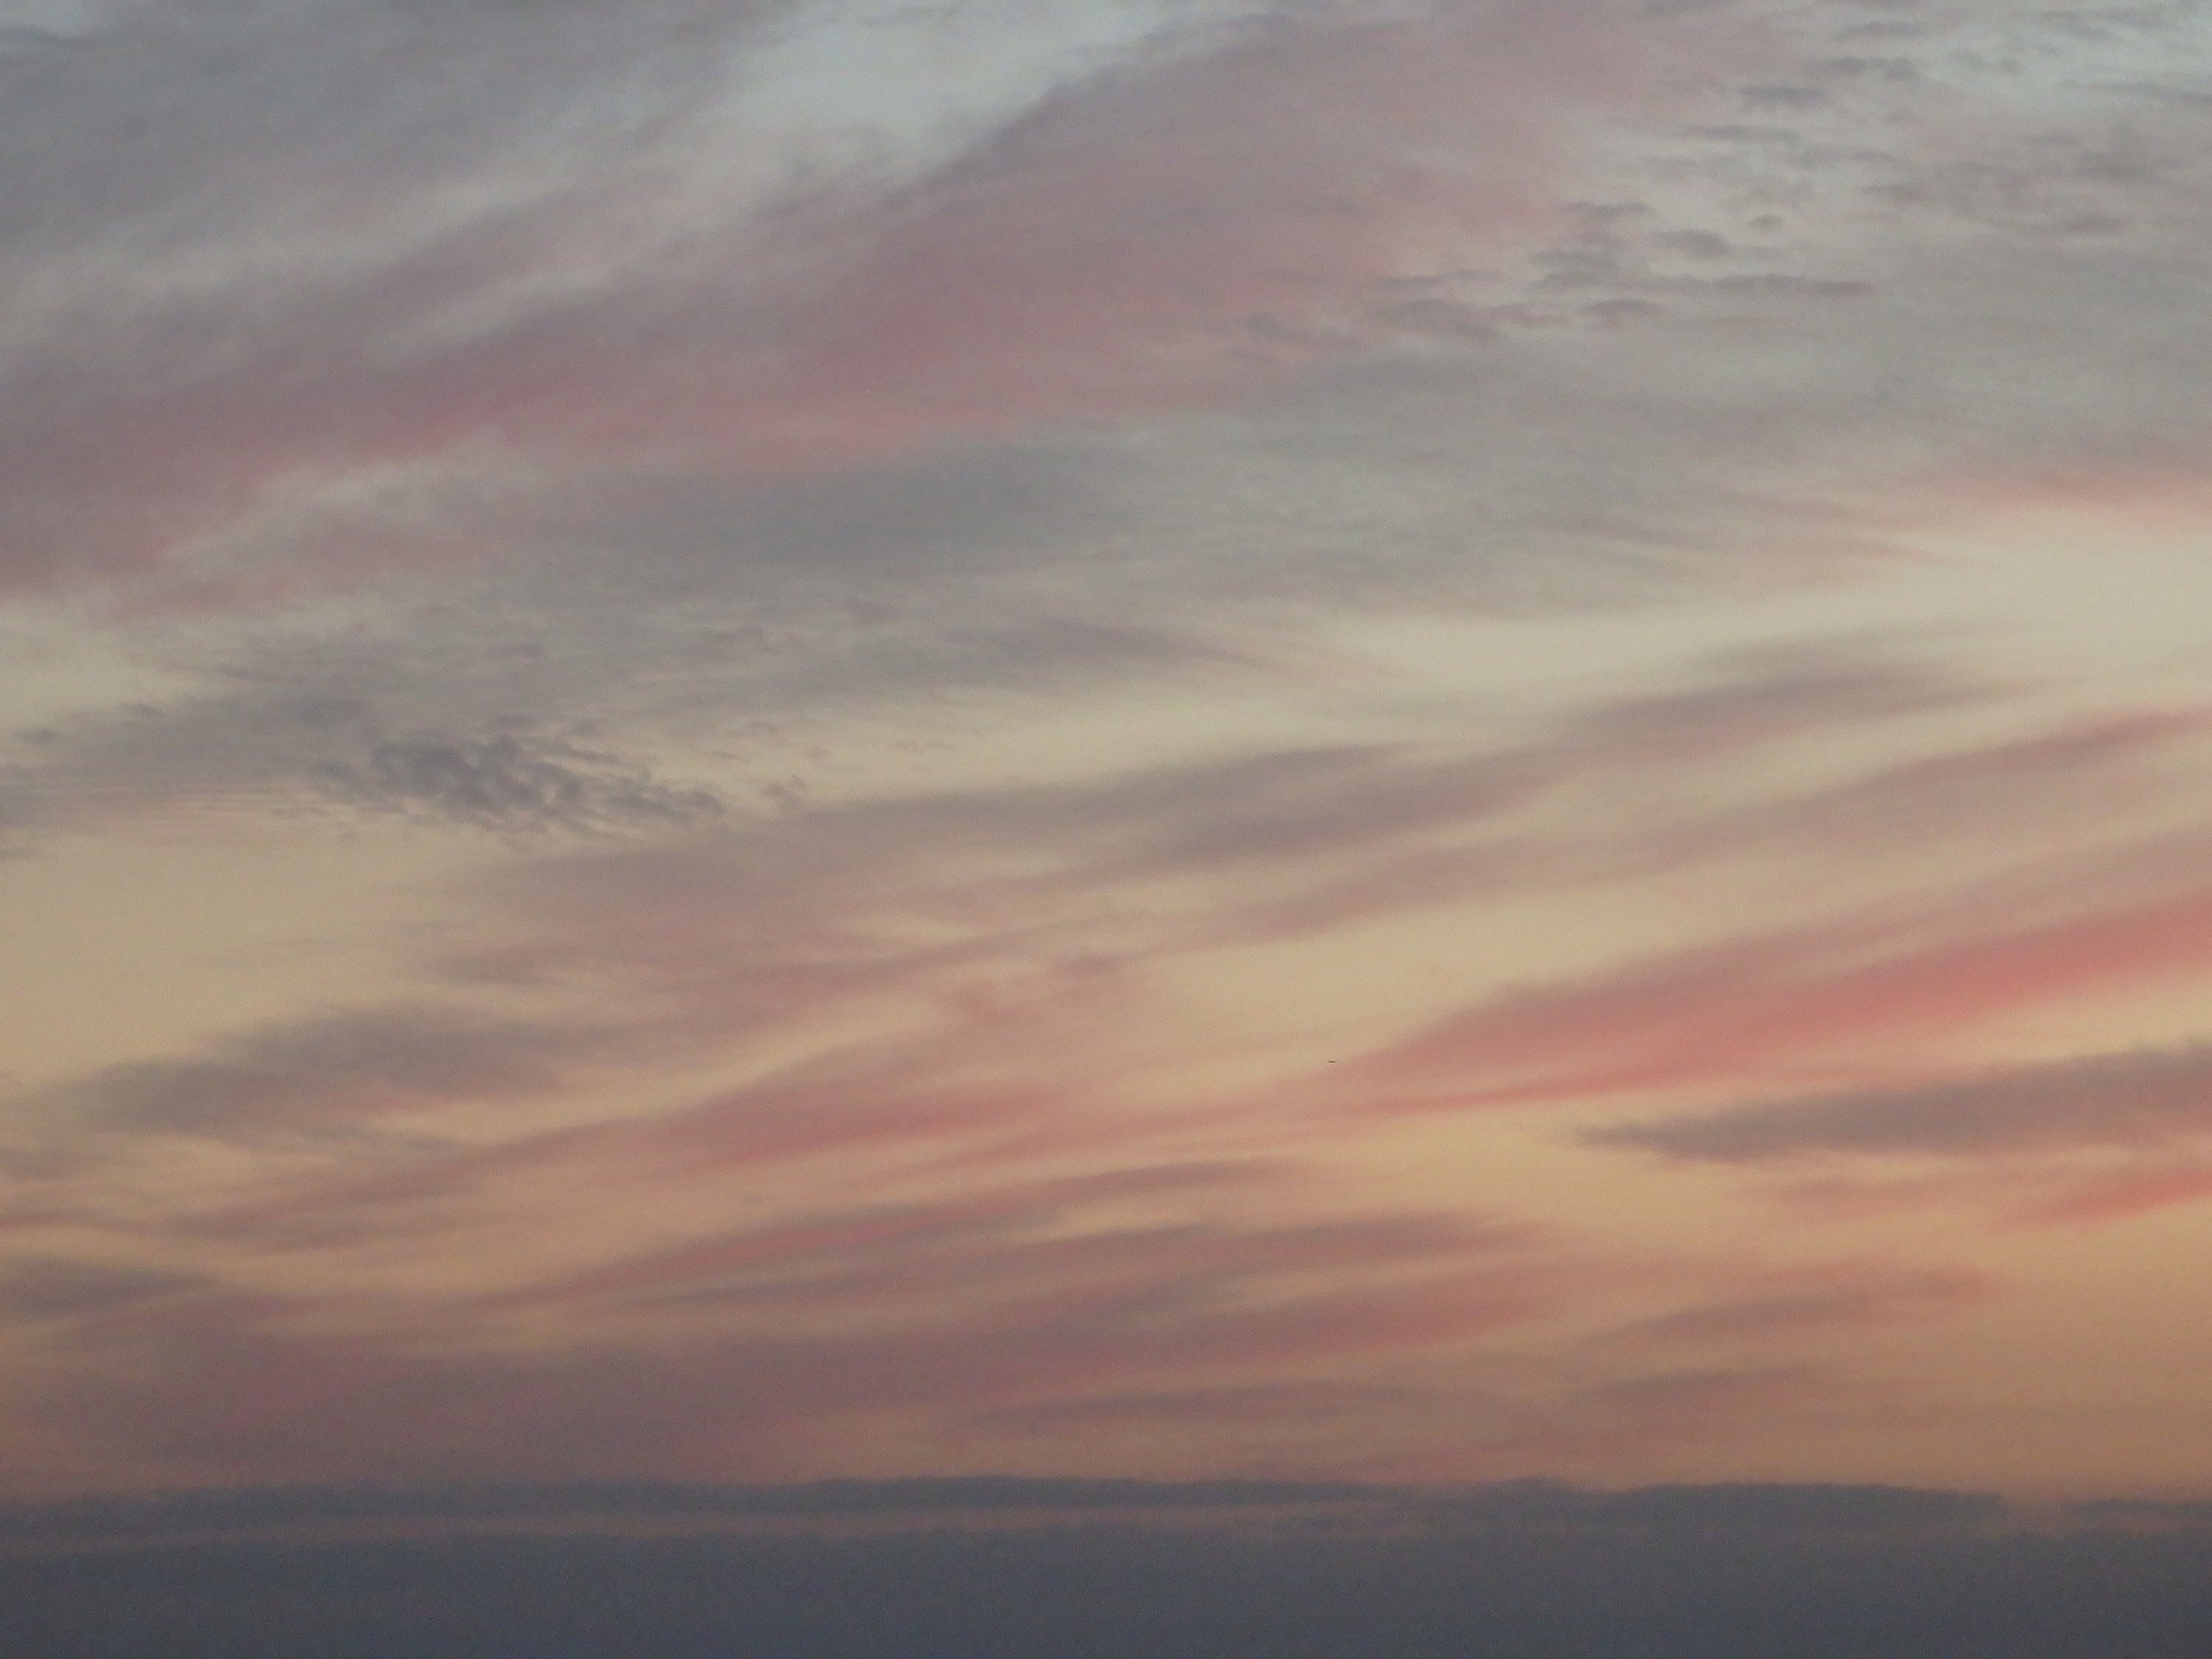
[(1439, 743)]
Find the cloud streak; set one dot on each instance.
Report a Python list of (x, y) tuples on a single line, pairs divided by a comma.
[(1745, 1010), (2125, 1100)]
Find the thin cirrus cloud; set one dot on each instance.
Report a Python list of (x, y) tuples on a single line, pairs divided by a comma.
[(530, 351), (1738, 1010), (2127, 1100), (1806, 1302), (993, 1314), (315, 1074), (1006, 1332), (342, 740), (1524, 430), (378, 389), (1724, 1507), (998, 908), (767, 741)]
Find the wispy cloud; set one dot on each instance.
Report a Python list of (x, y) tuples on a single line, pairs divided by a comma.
[(1750, 1010), (1795, 1303), (1057, 719), (498, 781), (313, 1076), (606, 253), (2143, 1099), (986, 1307)]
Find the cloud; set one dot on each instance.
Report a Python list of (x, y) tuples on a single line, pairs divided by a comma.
[(1296, 838), (1735, 1013), (921, 1502), (1797, 1303), (1144, 1281), (318, 743), (1205, 253), (378, 729), (1151, 1316), (2092, 1200), (777, 1361), (1749, 1507), (623, 256), (914, 1501), (1012, 926), (546, 336), (2133, 1100), (36, 1289), (2088, 765), (317, 1075), (630, 247), (499, 781), (634, 424)]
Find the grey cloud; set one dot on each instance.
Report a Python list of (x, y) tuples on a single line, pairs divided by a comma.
[(2115, 1100), (342, 739), (1535, 474), (1150, 1410), (228, 1510), (1727, 1507), (1542, 1504), (40, 1288), (1853, 67), (2142, 1511), (1772, 285), (806, 895), (303, 742), (500, 233), (182, 303), (496, 231), (1783, 97), (1176, 512), (2049, 780), (499, 781), (313, 1076), (1696, 243), (807, 906), (1279, 805)]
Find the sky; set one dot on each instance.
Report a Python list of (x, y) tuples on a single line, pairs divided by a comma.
[(1425, 745)]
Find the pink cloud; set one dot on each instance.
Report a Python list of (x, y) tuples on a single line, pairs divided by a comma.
[(2029, 1146), (796, 1369), (1164, 235), (2099, 1200), (2030, 1193), (1161, 234), (1755, 1012), (1814, 1301), (1640, 1415)]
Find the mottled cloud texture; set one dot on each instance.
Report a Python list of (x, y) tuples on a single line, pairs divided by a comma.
[(1422, 777)]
